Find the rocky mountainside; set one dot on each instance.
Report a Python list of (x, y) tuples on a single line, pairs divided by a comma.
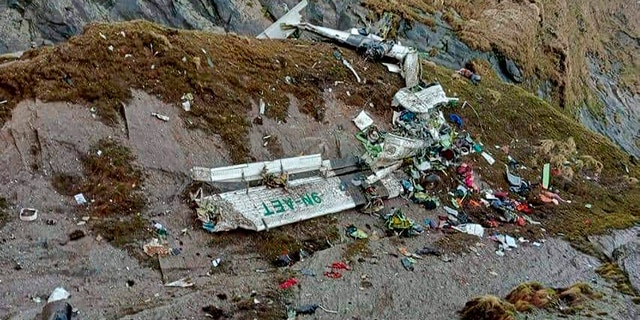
[(102, 114), (579, 55)]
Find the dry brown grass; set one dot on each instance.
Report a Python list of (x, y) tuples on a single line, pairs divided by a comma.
[(111, 181), (612, 272), (225, 74), (488, 308), (563, 156), (529, 295)]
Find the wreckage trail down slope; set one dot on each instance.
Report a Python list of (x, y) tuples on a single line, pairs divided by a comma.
[(227, 80), (225, 74)]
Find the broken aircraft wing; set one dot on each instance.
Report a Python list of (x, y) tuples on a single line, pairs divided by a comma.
[(262, 208)]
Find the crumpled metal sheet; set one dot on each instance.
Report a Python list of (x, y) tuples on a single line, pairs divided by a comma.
[(411, 68), (262, 208), (396, 148), (421, 99)]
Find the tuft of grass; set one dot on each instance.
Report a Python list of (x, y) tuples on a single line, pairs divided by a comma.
[(357, 248), (456, 242), (127, 233), (613, 273), (66, 184), (112, 184), (112, 181), (488, 308), (4, 215), (311, 236), (271, 307), (529, 295)]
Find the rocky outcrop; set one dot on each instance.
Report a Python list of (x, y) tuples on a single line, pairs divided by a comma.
[(35, 22), (623, 248)]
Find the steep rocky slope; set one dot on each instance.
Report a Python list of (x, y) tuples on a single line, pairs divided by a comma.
[(78, 118), (580, 55)]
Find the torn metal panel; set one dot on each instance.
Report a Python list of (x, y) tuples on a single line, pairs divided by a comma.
[(254, 171), (421, 99), (276, 30), (396, 148), (411, 69), (376, 47), (261, 208)]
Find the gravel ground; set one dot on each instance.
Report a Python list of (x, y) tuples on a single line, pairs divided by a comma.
[(36, 257)]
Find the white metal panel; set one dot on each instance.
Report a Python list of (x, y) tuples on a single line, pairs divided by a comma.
[(420, 100), (305, 199), (254, 171), (261, 208), (293, 17)]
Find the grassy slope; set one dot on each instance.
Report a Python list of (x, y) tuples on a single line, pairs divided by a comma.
[(508, 114), (549, 39), (225, 74)]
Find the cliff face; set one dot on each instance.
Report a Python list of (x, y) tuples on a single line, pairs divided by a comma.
[(578, 55)]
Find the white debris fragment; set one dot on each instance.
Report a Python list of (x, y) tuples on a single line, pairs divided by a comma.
[(182, 283), (186, 106), (392, 67), (80, 199), (28, 214), (160, 116), (363, 121), (488, 157), (471, 228), (350, 67), (58, 294), (263, 107)]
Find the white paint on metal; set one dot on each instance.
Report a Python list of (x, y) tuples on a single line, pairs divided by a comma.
[(419, 99), (293, 17), (396, 148), (254, 171), (363, 120), (262, 208)]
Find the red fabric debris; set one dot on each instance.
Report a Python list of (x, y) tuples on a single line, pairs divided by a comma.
[(523, 207), (502, 195), (520, 221), (289, 283), (333, 275), (340, 266)]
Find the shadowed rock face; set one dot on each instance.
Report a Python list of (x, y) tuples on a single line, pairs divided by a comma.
[(27, 21)]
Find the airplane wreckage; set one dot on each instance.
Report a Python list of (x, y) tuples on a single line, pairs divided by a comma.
[(275, 193)]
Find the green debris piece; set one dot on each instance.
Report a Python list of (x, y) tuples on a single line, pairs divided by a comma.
[(372, 149), (546, 175), (397, 221), (408, 263), (356, 233)]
